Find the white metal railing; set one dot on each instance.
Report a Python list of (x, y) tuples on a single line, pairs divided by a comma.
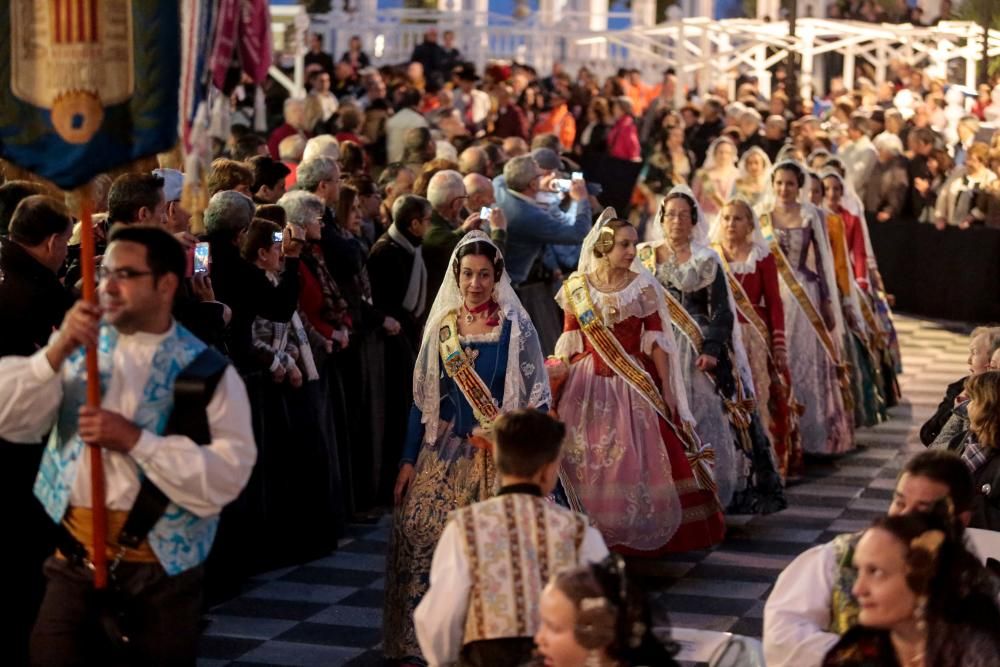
[(702, 51)]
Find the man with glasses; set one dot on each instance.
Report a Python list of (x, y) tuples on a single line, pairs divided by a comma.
[(447, 195), (173, 458)]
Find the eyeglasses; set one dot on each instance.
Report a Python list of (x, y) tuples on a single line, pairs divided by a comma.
[(104, 274), (674, 215)]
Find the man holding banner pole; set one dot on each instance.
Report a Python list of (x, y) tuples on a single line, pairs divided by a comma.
[(177, 445)]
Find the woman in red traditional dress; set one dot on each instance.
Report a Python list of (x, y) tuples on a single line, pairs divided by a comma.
[(736, 237), (630, 453)]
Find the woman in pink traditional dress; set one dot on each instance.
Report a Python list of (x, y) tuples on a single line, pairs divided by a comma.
[(628, 463), (713, 183)]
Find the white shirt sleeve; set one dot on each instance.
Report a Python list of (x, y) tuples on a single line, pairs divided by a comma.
[(797, 613), (439, 619), (593, 549), (205, 478), (30, 394)]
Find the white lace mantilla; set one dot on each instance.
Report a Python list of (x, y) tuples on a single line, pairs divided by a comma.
[(692, 275), (637, 299)]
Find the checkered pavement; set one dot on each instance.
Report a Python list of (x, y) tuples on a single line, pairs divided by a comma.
[(329, 612)]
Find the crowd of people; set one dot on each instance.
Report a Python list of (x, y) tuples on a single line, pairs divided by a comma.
[(413, 263)]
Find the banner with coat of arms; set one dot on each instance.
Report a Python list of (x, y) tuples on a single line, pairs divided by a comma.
[(87, 85)]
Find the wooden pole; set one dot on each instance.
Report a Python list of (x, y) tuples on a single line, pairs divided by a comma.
[(100, 523)]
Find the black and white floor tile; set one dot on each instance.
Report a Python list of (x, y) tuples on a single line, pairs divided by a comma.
[(329, 612)]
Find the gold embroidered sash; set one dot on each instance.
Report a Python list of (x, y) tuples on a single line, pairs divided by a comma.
[(577, 294), (742, 300), (809, 308), (877, 340), (799, 292), (460, 367)]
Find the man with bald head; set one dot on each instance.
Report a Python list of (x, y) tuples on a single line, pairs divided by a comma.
[(475, 160), (448, 197), (480, 191)]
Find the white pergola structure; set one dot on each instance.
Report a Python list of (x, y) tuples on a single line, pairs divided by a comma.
[(705, 50), (575, 33)]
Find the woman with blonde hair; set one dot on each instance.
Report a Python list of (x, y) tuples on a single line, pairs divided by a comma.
[(754, 282), (982, 446)]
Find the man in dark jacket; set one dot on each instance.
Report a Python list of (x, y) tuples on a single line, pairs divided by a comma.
[(399, 289), (708, 130), (431, 55), (32, 305)]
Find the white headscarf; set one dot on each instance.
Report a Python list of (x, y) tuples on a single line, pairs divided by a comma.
[(701, 251), (742, 164), (761, 248), (710, 163), (586, 266), (526, 383), (699, 233)]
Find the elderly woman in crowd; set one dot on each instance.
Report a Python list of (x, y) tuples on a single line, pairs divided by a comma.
[(956, 202), (952, 418), (888, 183), (925, 600)]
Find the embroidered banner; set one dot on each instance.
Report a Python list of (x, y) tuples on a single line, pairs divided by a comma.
[(89, 85)]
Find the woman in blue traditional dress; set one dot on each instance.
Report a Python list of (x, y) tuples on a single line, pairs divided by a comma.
[(480, 356)]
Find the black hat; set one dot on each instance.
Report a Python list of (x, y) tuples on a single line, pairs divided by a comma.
[(267, 171), (466, 72)]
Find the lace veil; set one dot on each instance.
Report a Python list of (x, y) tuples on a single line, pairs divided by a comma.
[(526, 383)]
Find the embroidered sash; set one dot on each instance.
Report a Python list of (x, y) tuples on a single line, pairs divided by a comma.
[(805, 303), (614, 355), (799, 292), (877, 340), (460, 367), (743, 302)]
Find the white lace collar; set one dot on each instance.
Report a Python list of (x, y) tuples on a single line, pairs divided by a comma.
[(693, 274), (749, 265), (637, 299)]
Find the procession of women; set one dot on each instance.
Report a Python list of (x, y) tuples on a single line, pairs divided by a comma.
[(693, 374)]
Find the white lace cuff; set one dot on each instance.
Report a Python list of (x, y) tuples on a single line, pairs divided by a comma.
[(657, 338), (570, 343)]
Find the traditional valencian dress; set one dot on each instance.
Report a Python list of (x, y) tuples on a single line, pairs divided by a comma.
[(859, 342), (634, 468), (761, 316), (460, 383), (808, 290)]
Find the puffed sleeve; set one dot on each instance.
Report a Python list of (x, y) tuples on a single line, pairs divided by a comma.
[(570, 343), (653, 335)]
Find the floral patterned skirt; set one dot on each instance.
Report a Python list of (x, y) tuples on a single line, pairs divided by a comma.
[(449, 474)]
